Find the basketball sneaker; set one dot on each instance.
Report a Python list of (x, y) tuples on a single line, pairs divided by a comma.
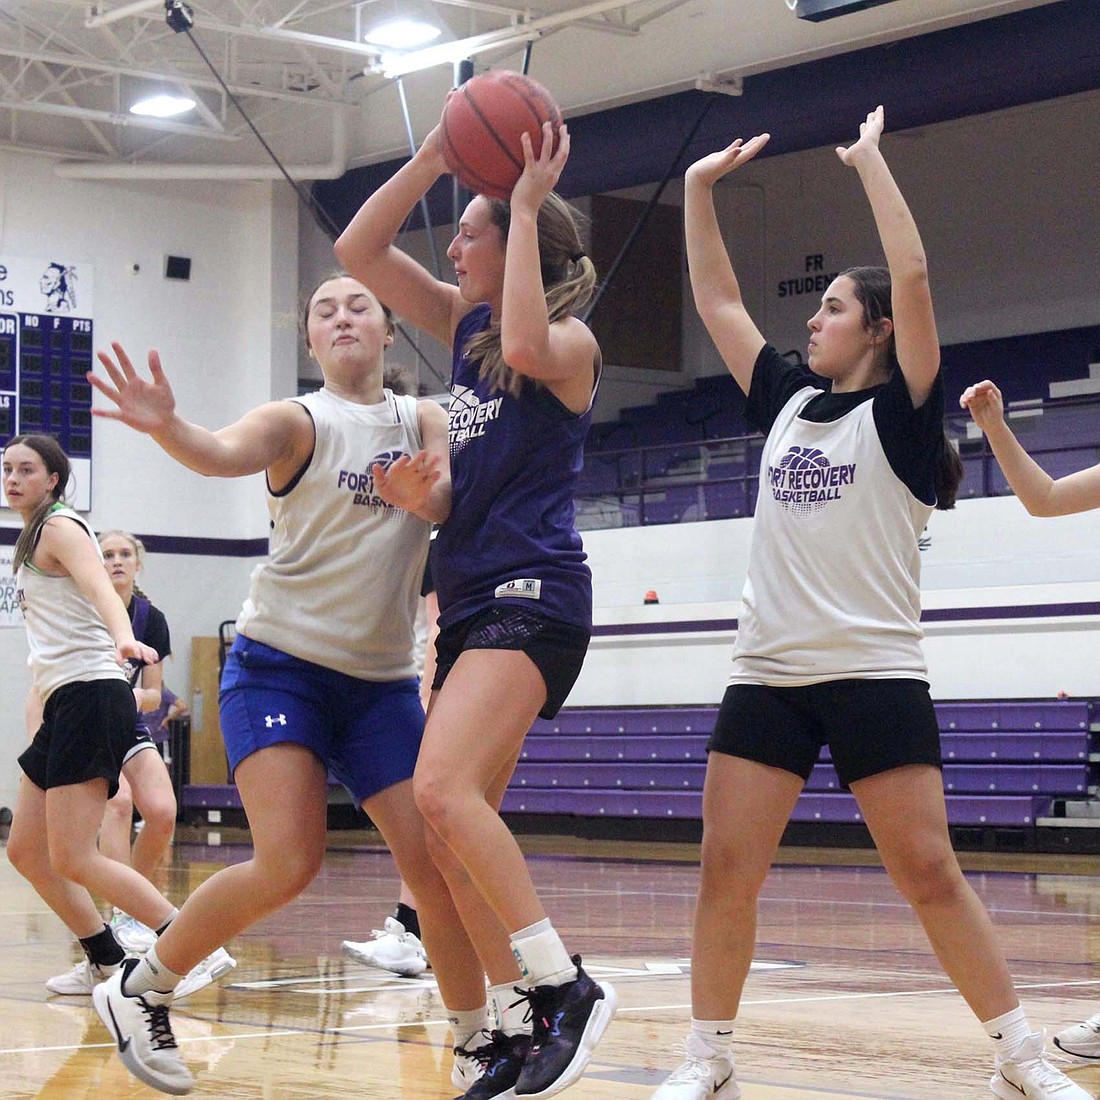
[(392, 949), (467, 1067), (1081, 1042), (1028, 1073), (702, 1076), (134, 937), (143, 1032), (499, 1062), (568, 1021), (216, 965), (81, 980)]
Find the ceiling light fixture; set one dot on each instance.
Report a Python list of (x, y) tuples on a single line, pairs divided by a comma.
[(402, 34), (162, 105)]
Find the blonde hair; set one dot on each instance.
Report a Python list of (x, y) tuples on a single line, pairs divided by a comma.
[(135, 542), (568, 277)]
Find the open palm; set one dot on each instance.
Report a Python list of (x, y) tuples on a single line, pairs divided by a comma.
[(712, 168), (146, 406)]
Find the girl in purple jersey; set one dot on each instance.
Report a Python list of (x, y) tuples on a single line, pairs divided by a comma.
[(828, 648), (514, 591)]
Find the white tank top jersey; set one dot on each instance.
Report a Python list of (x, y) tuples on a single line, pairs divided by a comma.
[(68, 639), (833, 585), (341, 585)]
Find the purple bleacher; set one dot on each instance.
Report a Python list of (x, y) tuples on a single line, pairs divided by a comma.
[(628, 720), (1010, 715), (674, 504), (606, 748), (726, 500), (839, 807), (622, 775), (832, 808), (1004, 763), (211, 796)]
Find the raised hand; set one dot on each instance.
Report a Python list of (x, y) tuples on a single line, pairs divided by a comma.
[(985, 403), (432, 146), (408, 482), (541, 173), (709, 169), (869, 133), (144, 406)]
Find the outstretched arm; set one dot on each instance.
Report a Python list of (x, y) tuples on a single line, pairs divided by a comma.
[(280, 431), (915, 337), (713, 282), (367, 250), (1039, 493)]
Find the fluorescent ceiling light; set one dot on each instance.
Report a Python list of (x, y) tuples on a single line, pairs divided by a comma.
[(402, 34), (162, 106)]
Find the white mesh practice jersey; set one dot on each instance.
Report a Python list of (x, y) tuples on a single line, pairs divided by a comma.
[(833, 585), (68, 639), (341, 585)]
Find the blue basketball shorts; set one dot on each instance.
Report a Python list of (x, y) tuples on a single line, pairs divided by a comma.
[(367, 733)]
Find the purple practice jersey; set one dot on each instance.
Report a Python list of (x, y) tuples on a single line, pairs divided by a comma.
[(515, 462)]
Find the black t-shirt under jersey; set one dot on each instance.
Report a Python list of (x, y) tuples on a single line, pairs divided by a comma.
[(910, 436)]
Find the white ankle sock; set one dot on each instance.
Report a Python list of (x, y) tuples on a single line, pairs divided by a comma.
[(541, 955), (715, 1035), (466, 1025), (506, 1011), (150, 974), (1008, 1031)]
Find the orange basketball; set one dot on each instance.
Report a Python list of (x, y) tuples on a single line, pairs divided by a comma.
[(481, 127)]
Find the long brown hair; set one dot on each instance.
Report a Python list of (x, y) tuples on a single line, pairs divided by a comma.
[(568, 277), (872, 291), (56, 462)]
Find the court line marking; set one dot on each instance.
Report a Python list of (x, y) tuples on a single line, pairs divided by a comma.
[(399, 1025)]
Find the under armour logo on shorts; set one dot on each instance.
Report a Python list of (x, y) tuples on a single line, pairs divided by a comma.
[(274, 720)]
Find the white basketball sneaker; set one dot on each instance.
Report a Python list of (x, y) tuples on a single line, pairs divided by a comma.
[(392, 949), (703, 1075), (81, 980), (1028, 1074), (135, 937), (216, 965), (142, 1031), (1081, 1042)]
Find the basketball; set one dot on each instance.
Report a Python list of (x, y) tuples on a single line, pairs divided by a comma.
[(481, 127)]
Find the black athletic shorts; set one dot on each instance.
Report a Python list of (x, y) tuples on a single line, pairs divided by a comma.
[(86, 727), (870, 726), (138, 739), (556, 648)]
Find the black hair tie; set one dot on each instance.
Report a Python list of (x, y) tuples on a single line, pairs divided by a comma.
[(576, 257)]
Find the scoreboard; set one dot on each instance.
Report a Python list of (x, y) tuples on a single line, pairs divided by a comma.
[(45, 355)]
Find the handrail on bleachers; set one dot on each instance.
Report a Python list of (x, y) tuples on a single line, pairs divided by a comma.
[(687, 479)]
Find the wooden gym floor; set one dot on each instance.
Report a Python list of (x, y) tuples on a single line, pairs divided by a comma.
[(845, 999)]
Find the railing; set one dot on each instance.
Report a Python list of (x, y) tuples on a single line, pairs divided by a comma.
[(719, 478)]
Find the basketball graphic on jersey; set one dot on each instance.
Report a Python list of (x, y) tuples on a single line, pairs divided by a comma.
[(385, 459), (361, 482), (468, 417), (804, 481)]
